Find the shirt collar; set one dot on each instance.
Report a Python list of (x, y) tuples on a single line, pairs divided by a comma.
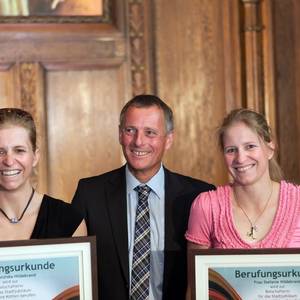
[(156, 183)]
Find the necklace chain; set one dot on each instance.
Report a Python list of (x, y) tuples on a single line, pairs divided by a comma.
[(17, 220), (253, 227)]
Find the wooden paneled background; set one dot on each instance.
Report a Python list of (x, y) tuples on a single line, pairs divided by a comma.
[(203, 57)]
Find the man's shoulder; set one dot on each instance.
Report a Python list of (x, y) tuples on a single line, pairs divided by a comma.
[(196, 183), (110, 175)]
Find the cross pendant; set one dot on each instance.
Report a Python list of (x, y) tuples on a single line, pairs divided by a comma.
[(252, 232)]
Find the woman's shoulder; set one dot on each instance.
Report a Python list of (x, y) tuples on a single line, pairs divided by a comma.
[(214, 198), (220, 192), (58, 208), (56, 218), (289, 188), (55, 205), (54, 201)]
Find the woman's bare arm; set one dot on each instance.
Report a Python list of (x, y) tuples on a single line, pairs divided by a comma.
[(81, 230)]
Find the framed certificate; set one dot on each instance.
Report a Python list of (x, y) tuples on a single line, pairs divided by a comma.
[(58, 269), (218, 274)]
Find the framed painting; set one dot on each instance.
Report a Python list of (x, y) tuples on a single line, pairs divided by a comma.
[(51, 11)]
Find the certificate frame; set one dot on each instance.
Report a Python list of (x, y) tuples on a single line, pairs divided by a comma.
[(204, 262), (77, 252)]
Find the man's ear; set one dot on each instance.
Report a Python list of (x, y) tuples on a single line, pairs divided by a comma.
[(169, 140), (120, 134)]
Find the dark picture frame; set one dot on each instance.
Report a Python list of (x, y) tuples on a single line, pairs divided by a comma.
[(28, 263), (257, 272)]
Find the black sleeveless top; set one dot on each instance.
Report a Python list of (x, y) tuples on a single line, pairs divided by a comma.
[(56, 219)]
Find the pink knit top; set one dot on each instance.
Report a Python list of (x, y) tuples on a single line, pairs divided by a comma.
[(211, 221)]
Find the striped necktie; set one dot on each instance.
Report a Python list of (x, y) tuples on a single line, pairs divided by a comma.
[(140, 272)]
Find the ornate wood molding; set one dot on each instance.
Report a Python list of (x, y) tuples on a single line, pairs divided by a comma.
[(269, 71), (140, 46), (251, 1), (232, 55), (30, 83), (252, 49), (259, 58)]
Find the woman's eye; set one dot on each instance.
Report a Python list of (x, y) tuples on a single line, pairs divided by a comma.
[(20, 150), (229, 150), (250, 146)]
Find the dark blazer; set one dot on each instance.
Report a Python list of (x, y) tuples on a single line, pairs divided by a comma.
[(103, 200)]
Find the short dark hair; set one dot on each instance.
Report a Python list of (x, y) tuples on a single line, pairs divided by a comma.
[(19, 117), (147, 101)]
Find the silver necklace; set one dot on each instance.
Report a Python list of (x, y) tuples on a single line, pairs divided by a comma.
[(253, 226), (17, 220)]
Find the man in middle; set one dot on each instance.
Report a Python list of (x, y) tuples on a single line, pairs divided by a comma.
[(109, 202)]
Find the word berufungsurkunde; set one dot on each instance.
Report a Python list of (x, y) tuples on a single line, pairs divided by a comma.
[(267, 274), (7, 269)]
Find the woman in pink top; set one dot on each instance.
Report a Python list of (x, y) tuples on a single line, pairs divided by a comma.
[(258, 209)]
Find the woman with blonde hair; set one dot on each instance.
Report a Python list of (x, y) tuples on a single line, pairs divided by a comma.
[(257, 209)]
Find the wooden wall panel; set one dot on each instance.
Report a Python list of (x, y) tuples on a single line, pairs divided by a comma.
[(140, 38), (286, 15), (191, 68), (73, 76), (191, 53), (252, 54), (22, 85), (6, 89), (267, 25), (83, 109)]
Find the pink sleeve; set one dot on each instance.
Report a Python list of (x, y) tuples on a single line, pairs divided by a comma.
[(295, 238), (200, 220)]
